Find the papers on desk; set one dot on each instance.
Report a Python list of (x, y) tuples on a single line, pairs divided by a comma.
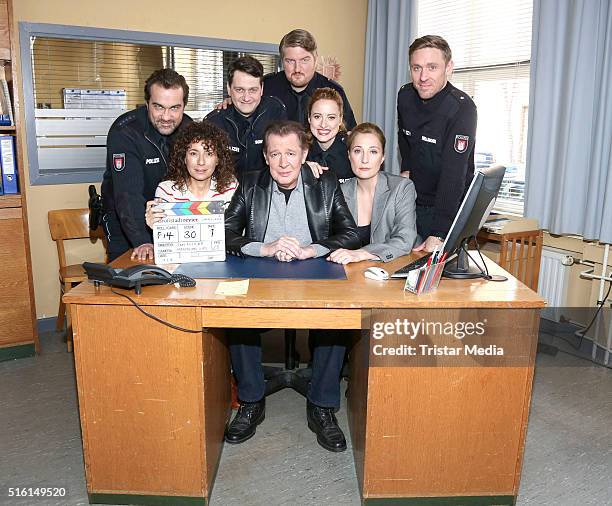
[(496, 225), (232, 287)]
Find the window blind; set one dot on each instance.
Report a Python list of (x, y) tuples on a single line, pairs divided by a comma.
[(491, 45), (80, 86)]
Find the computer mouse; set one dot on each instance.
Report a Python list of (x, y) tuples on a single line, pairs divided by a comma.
[(377, 273)]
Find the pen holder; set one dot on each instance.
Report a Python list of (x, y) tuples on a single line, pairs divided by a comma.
[(425, 279)]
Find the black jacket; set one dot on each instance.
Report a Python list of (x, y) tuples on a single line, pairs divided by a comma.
[(335, 157), (436, 141), (246, 135), (276, 84), (329, 220), (136, 161)]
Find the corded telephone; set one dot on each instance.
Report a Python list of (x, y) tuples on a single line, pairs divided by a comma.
[(133, 277)]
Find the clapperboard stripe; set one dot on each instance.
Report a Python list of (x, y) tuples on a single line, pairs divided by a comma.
[(191, 208)]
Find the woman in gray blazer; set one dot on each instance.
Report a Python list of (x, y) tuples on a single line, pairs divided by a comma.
[(382, 204)]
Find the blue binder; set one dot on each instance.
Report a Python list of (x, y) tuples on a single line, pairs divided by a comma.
[(9, 165)]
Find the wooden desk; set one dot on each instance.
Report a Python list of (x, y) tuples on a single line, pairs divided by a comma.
[(154, 401)]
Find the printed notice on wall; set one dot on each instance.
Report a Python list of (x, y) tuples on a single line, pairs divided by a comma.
[(190, 232)]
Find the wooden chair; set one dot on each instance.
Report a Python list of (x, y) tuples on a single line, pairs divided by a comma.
[(520, 255), (66, 224)]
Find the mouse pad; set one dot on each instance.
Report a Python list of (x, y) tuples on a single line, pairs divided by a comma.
[(264, 268)]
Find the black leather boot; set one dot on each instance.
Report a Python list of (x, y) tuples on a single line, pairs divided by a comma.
[(324, 424), (244, 424)]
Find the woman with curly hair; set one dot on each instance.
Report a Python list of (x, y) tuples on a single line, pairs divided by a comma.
[(201, 168)]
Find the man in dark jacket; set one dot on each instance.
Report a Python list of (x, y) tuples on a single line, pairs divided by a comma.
[(296, 83), (286, 213), (246, 118), (138, 147), (436, 130)]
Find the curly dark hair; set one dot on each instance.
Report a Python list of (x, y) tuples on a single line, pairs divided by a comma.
[(214, 139)]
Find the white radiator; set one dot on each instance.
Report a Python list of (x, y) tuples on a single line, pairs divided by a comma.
[(553, 282)]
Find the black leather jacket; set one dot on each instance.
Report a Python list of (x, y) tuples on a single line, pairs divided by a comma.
[(329, 219)]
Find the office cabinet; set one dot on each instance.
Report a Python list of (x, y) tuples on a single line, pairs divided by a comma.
[(18, 334)]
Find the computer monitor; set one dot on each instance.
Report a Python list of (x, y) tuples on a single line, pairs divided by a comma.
[(473, 212)]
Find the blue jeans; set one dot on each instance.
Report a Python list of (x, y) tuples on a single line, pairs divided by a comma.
[(327, 359)]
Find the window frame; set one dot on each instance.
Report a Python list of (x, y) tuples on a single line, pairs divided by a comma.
[(474, 64), (28, 30)]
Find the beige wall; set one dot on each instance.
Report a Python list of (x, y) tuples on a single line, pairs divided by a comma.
[(339, 27)]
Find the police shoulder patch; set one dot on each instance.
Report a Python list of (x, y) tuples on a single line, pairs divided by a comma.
[(119, 161), (461, 143)]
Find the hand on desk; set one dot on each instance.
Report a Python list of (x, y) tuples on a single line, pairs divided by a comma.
[(286, 249), (429, 244), (143, 252), (347, 256)]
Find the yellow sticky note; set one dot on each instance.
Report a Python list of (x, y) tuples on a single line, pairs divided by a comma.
[(233, 287)]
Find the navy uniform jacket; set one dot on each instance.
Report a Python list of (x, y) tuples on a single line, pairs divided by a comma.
[(277, 85), (246, 134), (335, 157), (136, 161), (436, 139)]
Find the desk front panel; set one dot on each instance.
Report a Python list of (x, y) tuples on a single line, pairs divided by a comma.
[(143, 388), (425, 430), (281, 318)]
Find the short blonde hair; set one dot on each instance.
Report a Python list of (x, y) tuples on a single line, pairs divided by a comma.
[(433, 41), (366, 128)]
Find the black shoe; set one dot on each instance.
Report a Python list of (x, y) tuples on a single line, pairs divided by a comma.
[(324, 424), (244, 424)]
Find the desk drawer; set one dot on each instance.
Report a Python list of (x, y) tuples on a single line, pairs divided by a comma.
[(281, 318)]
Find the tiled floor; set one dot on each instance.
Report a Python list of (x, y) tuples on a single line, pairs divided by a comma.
[(568, 456)]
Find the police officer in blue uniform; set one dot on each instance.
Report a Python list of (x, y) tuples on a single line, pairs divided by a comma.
[(138, 146), (296, 83), (436, 130), (247, 117)]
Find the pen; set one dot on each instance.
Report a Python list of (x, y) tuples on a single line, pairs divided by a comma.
[(433, 254)]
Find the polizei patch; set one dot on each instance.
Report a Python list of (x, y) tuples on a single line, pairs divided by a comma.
[(461, 143), (119, 161)]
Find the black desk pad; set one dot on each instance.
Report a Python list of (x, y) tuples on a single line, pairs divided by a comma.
[(264, 268)]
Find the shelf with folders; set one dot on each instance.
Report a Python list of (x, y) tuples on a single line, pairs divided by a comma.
[(18, 332)]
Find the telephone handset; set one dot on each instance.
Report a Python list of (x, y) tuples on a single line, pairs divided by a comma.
[(135, 277)]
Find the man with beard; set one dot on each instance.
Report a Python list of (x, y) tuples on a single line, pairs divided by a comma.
[(138, 147)]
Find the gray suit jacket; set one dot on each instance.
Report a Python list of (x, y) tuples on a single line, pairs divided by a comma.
[(393, 225)]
